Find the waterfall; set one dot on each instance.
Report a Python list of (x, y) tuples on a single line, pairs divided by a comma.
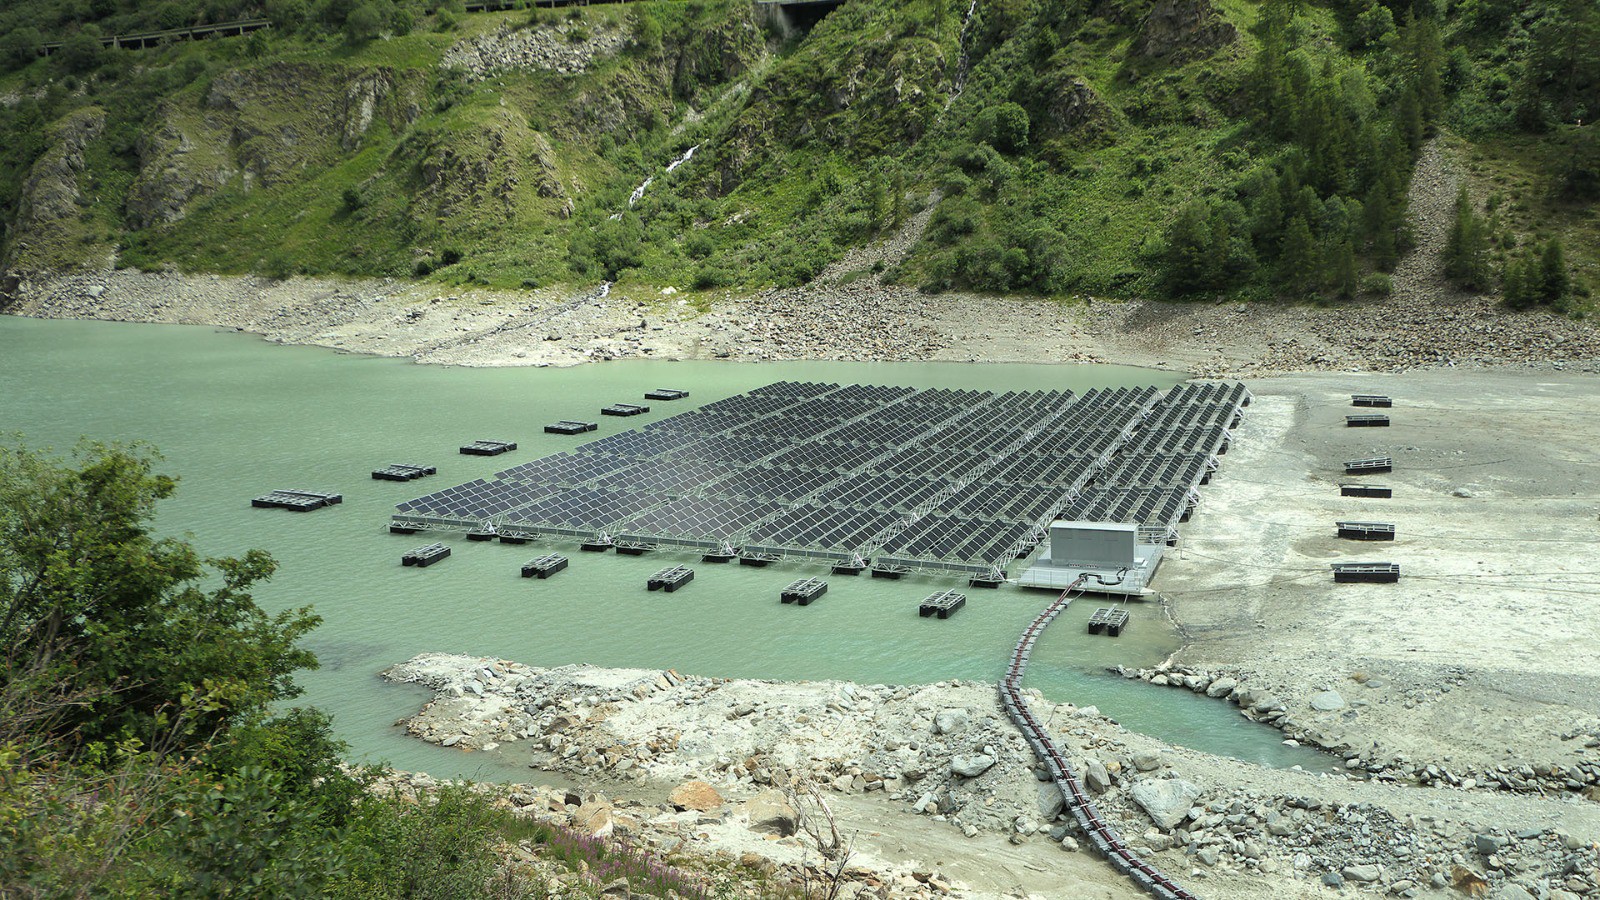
[(965, 62)]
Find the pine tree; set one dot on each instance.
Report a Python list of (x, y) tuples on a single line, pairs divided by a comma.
[(1379, 227), (1297, 260), (1342, 273), (1466, 254), (1516, 283), (1554, 282)]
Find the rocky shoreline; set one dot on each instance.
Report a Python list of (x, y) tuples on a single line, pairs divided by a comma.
[(1260, 704), (944, 753), (854, 320)]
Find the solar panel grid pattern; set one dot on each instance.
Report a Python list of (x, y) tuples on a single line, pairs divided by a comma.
[(845, 469), (713, 519)]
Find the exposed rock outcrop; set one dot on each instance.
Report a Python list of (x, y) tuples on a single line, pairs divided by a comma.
[(50, 205), (1182, 29), (1073, 108)]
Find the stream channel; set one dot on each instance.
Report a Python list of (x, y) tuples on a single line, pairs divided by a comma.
[(236, 417)]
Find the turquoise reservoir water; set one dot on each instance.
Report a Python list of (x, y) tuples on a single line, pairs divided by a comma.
[(236, 417)]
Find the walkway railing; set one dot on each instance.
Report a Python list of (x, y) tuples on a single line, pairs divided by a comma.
[(1104, 838)]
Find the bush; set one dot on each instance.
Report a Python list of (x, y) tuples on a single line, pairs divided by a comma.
[(364, 23), (81, 52), (1378, 284)]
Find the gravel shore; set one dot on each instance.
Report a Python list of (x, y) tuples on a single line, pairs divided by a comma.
[(860, 320)]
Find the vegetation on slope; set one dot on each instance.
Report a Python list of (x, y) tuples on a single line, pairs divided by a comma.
[(1155, 147), (148, 749)]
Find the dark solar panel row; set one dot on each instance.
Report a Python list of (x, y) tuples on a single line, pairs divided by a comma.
[(763, 483), (957, 539), (747, 404), (701, 422), (954, 398), (1005, 501), (1160, 470), (833, 457), (1152, 507), (583, 507), (641, 443), (701, 518), (920, 413), (565, 468), (788, 429), (975, 438), (1205, 439), (665, 476), (875, 393), (834, 409), (1190, 414), (899, 492), (872, 431), (1057, 470), (1069, 442), (825, 527), (949, 464), (793, 389), (730, 449), (444, 502)]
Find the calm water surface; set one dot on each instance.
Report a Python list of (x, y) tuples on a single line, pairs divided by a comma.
[(236, 417)]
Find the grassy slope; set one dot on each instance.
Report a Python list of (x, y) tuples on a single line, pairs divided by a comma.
[(823, 146)]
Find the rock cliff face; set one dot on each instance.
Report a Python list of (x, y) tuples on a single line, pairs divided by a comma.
[(49, 218), (1182, 29), (260, 126), (1074, 109)]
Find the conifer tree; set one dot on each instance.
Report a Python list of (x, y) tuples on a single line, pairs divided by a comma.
[(1554, 282), (1466, 254), (1297, 260)]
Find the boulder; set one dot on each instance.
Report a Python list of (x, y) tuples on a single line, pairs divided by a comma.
[(594, 818), (1365, 874), (1221, 687), (769, 812), (1512, 892), (1166, 801), (1051, 802), (695, 795), (1147, 760), (1327, 701), (1098, 779), (951, 721), (971, 765)]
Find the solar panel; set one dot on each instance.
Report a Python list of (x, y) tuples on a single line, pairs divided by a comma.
[(950, 477)]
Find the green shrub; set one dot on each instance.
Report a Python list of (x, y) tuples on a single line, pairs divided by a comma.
[(1377, 284)]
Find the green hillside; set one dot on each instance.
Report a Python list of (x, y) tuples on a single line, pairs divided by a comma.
[(1124, 147)]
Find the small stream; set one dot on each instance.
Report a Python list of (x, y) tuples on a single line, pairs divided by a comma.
[(638, 192)]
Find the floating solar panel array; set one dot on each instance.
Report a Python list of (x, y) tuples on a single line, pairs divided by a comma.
[(938, 480)]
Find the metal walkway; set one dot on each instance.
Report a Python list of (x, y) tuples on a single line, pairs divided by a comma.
[(1106, 840)]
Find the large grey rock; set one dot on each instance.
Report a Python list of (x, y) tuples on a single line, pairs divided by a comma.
[(971, 765), (1221, 687), (1512, 892), (770, 812), (1098, 779), (1327, 701), (1487, 843), (1166, 801), (1147, 760), (950, 721), (1050, 802), (1364, 873)]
